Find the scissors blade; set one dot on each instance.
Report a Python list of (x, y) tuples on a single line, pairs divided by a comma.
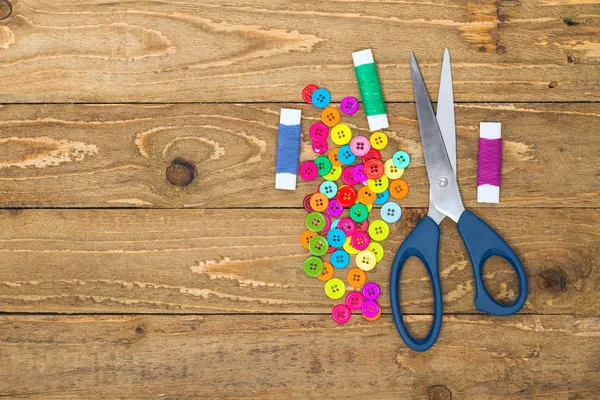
[(443, 187), (445, 118)]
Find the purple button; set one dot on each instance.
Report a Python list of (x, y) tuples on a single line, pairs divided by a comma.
[(318, 131), (320, 146), (371, 291), (370, 309), (348, 176), (358, 173), (334, 208), (327, 223), (349, 105)]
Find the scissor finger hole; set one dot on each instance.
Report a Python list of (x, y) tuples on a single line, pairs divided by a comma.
[(416, 298), (500, 280)]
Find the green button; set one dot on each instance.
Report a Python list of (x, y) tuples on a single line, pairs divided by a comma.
[(318, 246), (313, 266), (323, 164), (315, 221), (359, 212)]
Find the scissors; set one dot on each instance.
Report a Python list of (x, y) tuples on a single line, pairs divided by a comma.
[(438, 138)]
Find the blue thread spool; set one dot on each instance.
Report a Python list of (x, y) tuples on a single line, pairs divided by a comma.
[(288, 149)]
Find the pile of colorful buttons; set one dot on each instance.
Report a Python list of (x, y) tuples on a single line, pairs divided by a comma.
[(357, 161)]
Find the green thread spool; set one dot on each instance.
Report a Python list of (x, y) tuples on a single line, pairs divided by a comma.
[(370, 89)]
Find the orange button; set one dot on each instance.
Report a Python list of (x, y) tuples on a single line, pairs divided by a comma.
[(319, 202), (398, 189), (333, 157), (357, 277), (330, 116), (327, 273), (366, 196), (305, 238)]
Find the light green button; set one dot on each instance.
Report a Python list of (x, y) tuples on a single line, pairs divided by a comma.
[(318, 246), (335, 288), (313, 266)]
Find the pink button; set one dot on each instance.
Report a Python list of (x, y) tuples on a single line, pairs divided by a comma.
[(360, 240), (306, 203), (370, 308), (341, 313), (360, 146), (349, 105), (348, 176), (355, 300), (362, 226), (347, 226), (327, 223), (334, 208), (318, 131), (371, 291), (308, 170), (358, 173), (331, 249), (320, 146)]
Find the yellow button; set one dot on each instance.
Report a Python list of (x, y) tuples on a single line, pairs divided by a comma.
[(366, 260), (334, 174), (376, 249), (335, 288), (379, 230), (341, 134), (378, 185), (391, 171), (348, 246), (378, 140)]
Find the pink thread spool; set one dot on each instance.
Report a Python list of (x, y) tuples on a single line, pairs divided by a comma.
[(489, 162)]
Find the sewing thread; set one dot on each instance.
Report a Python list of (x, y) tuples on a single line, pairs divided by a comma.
[(288, 149), (370, 89), (489, 162)]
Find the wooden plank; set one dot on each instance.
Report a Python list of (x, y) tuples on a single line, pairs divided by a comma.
[(250, 261), (118, 155), (304, 357), (210, 51)]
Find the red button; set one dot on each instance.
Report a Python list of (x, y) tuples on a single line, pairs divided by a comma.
[(373, 154), (346, 196), (307, 93), (362, 226), (374, 169)]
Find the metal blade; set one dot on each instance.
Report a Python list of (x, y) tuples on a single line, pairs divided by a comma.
[(445, 110), (442, 181)]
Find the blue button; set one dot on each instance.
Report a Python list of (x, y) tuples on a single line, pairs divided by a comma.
[(340, 259), (321, 98), (345, 155), (401, 159), (336, 238), (382, 197), (329, 189), (335, 223), (391, 212)]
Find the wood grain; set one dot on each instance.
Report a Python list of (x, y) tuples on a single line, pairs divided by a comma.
[(118, 155), (250, 261), (302, 357), (265, 50)]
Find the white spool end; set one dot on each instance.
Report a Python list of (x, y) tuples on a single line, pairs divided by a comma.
[(290, 116), (285, 181), (377, 122), (363, 57)]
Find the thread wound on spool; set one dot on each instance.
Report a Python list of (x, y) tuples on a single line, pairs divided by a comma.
[(489, 162), (288, 149), (370, 89)]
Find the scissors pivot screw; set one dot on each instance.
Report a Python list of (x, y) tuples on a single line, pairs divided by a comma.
[(443, 181)]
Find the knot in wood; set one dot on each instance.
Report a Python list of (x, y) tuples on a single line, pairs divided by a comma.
[(554, 280), (439, 392), (180, 172), (5, 9)]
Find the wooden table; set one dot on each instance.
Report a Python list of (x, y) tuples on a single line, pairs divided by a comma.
[(145, 252)]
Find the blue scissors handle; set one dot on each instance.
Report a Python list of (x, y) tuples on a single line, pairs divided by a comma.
[(482, 242), (423, 243)]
